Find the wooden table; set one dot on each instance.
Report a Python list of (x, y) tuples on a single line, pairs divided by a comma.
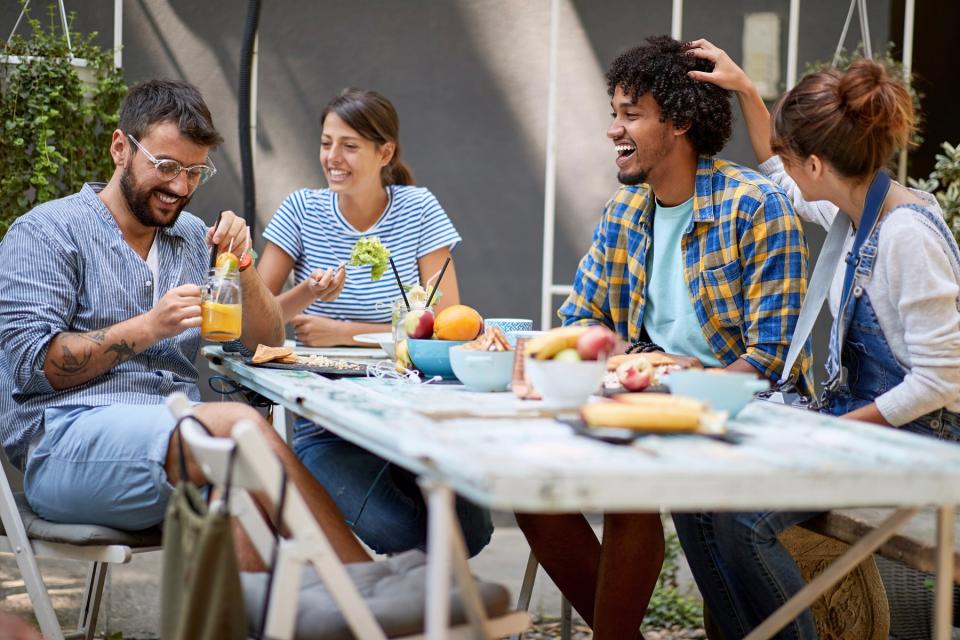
[(509, 454)]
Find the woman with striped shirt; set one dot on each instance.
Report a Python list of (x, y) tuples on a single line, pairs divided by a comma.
[(370, 193)]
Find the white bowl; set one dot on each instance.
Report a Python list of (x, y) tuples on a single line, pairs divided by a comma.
[(565, 384)]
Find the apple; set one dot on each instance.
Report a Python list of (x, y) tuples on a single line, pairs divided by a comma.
[(635, 374), (567, 355), (596, 342), (419, 324)]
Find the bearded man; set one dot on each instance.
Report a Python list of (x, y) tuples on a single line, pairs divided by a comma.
[(99, 321)]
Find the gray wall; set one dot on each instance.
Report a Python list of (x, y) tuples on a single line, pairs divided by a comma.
[(469, 79)]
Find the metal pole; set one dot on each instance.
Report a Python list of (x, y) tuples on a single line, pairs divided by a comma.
[(908, 15), (550, 171), (118, 34), (676, 20), (254, 86), (793, 40)]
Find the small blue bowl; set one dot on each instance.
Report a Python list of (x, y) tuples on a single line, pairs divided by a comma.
[(482, 370), (723, 391), (432, 357)]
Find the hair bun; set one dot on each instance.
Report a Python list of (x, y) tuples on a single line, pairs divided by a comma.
[(871, 96)]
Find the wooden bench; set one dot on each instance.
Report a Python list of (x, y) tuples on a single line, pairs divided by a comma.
[(913, 545)]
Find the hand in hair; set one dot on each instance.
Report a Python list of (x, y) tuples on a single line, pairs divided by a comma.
[(726, 73)]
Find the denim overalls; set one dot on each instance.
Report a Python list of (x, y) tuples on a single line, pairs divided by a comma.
[(867, 367)]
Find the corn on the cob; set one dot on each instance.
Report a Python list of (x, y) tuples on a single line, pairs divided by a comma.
[(653, 415)]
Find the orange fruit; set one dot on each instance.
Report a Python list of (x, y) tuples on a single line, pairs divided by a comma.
[(230, 260), (458, 322)]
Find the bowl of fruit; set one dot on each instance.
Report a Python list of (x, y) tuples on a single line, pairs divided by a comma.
[(430, 337), (485, 364), (567, 365)]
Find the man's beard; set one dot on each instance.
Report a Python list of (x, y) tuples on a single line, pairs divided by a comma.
[(632, 179), (138, 201)]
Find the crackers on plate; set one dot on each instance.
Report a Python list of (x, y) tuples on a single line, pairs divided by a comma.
[(283, 355)]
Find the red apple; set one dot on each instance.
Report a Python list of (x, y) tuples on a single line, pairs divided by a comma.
[(635, 374), (419, 324), (596, 342)]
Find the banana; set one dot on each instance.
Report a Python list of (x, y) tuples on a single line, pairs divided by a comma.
[(654, 415), (546, 346)]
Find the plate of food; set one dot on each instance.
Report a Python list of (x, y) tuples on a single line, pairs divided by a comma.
[(383, 339), (287, 358)]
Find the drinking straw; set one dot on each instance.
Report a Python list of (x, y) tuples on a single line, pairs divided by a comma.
[(213, 247), (403, 293), (437, 283)]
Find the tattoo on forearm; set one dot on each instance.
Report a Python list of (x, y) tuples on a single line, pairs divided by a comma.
[(70, 364), (97, 337), (122, 350)]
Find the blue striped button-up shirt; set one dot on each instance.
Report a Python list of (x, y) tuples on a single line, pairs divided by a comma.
[(65, 266)]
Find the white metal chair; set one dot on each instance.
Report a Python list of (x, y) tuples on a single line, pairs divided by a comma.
[(255, 469), (27, 537)]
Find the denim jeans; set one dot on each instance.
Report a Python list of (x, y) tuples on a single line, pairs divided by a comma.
[(381, 502)]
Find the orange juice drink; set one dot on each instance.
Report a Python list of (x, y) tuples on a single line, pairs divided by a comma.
[(220, 322)]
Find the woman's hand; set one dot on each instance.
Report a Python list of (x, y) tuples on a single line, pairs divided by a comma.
[(318, 331), (326, 285), (726, 73)]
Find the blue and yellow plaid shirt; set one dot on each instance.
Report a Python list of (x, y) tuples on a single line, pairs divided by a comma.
[(745, 265)]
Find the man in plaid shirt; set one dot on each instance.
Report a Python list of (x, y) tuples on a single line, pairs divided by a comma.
[(703, 257)]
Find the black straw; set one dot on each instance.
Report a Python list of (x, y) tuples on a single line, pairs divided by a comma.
[(437, 283), (213, 247), (400, 284)]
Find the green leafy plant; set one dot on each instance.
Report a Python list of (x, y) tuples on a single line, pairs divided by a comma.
[(55, 127), (944, 183), (669, 607)]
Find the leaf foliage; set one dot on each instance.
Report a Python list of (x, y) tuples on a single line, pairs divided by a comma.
[(55, 127)]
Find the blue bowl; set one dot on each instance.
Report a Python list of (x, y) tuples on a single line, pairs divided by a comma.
[(482, 370), (723, 391), (432, 357)]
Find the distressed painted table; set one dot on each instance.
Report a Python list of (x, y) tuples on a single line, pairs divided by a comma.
[(509, 454)]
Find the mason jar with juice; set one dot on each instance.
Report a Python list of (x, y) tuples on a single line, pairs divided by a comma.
[(220, 306)]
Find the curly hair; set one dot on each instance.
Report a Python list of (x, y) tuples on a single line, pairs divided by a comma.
[(660, 67)]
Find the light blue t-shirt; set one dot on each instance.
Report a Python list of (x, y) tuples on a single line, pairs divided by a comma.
[(311, 229), (669, 317)]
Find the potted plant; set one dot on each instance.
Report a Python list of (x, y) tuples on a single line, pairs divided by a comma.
[(944, 183), (54, 126)]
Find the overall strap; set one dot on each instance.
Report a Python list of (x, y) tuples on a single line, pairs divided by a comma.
[(876, 194), (827, 263)]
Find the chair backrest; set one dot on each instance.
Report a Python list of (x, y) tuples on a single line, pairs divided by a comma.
[(256, 468)]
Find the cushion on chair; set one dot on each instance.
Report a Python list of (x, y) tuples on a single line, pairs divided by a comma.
[(85, 535), (394, 589)]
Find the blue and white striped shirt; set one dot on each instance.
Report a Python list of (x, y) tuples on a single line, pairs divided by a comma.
[(310, 228), (64, 267)]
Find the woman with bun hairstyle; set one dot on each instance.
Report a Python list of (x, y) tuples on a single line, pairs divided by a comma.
[(370, 193), (895, 343)]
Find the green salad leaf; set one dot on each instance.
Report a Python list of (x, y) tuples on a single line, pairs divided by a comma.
[(370, 251)]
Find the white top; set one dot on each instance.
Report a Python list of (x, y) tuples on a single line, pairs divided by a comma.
[(915, 292), (311, 229)]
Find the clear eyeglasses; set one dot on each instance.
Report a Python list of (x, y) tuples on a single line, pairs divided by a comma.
[(168, 169)]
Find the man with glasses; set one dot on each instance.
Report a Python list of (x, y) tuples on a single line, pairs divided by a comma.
[(99, 317)]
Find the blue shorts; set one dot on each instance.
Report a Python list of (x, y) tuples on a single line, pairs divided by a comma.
[(102, 465)]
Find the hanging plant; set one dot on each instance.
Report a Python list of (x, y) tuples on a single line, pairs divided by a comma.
[(55, 127)]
